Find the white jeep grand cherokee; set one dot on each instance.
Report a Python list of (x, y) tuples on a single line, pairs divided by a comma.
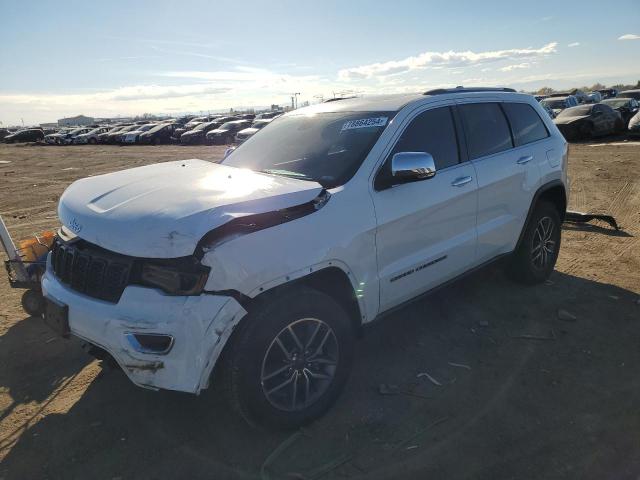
[(270, 262)]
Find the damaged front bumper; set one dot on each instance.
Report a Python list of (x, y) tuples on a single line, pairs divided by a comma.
[(198, 327)]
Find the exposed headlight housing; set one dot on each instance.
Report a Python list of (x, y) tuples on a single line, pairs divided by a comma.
[(175, 279)]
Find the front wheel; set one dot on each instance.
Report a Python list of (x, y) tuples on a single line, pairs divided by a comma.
[(289, 361), (33, 302), (535, 257)]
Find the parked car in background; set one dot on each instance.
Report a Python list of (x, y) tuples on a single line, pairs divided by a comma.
[(68, 137), (113, 135), (627, 107), (132, 136), (558, 104), (196, 135), (608, 92), (634, 125), (91, 137), (243, 135), (226, 132), (54, 138), (184, 119), (549, 110), (264, 115), (194, 122), (247, 116), (588, 121), (161, 133), (630, 94), (26, 135), (594, 97)]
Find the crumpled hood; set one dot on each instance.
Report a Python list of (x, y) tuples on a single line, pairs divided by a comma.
[(163, 210)]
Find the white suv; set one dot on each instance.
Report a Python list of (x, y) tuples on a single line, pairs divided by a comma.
[(269, 263)]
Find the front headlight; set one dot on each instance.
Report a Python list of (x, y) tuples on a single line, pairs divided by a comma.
[(175, 280)]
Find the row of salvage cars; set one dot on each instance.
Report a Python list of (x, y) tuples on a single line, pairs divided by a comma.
[(579, 120), (212, 130)]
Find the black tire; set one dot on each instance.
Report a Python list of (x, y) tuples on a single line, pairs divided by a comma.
[(531, 263), (33, 303), (253, 355), (92, 141)]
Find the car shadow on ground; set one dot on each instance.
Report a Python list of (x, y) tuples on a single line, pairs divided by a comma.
[(467, 383)]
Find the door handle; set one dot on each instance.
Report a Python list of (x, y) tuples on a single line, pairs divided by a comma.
[(525, 159), (458, 182)]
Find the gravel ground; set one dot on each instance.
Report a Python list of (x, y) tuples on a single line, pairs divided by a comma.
[(564, 405)]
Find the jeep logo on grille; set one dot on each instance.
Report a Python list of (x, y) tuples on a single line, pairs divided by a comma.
[(75, 226)]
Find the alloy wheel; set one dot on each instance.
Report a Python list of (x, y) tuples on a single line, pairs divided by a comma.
[(299, 364), (543, 245)]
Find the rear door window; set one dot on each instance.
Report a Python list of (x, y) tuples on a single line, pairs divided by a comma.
[(526, 124), (486, 129)]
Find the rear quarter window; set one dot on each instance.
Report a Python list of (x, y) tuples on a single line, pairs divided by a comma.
[(526, 124), (486, 129)]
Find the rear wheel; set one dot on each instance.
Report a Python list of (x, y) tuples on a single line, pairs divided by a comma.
[(289, 361), (92, 141), (534, 259)]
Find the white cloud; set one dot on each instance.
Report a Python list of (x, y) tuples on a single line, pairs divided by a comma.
[(629, 36), (518, 66), (450, 58), (574, 44)]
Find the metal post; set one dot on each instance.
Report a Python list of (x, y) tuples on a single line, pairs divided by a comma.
[(12, 253)]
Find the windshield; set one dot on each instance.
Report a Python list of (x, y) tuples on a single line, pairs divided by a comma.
[(95, 130), (144, 128), (554, 103), (157, 128), (616, 102), (200, 127), (77, 130), (576, 111), (630, 94), (327, 147)]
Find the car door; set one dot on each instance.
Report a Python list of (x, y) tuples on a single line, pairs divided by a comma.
[(507, 176), (426, 231)]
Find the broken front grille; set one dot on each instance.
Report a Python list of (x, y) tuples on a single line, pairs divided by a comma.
[(91, 270)]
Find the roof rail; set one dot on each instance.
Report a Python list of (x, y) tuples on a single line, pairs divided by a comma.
[(460, 89)]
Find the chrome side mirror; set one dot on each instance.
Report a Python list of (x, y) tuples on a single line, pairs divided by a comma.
[(412, 166)]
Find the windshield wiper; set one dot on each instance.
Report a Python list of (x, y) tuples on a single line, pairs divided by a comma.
[(286, 173)]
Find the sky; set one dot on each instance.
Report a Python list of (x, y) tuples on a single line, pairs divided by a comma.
[(109, 58)]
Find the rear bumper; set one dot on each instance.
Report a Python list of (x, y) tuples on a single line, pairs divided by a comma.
[(199, 325)]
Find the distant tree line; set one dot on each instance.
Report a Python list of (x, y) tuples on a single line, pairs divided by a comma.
[(595, 86)]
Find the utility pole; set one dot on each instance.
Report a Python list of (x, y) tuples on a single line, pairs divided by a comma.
[(294, 100)]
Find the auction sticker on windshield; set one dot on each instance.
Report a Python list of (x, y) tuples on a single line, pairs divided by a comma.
[(364, 122)]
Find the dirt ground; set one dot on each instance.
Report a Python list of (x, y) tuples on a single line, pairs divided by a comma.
[(532, 396)]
